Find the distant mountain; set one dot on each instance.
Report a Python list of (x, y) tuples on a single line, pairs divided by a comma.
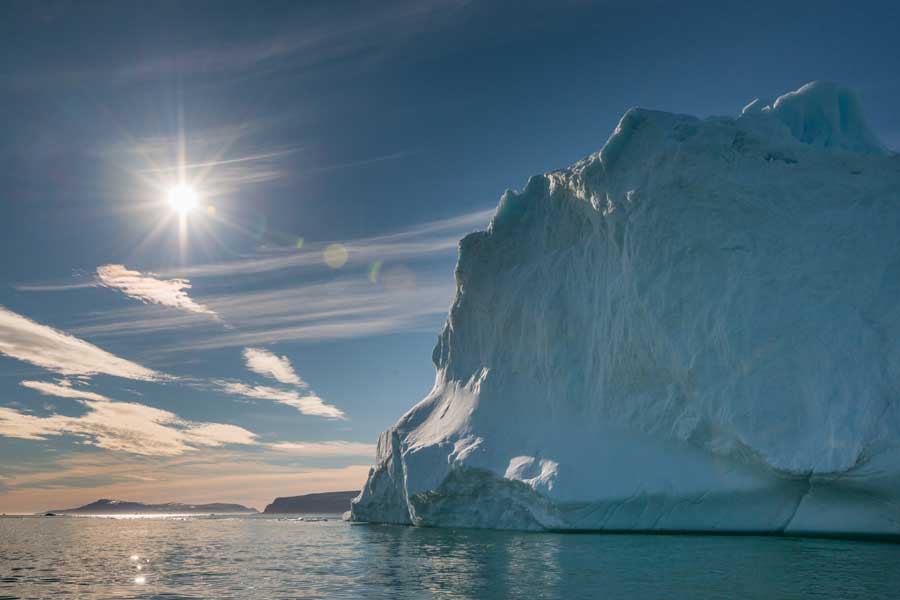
[(326, 502), (118, 507)]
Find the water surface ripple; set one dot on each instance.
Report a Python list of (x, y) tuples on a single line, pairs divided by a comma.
[(273, 558)]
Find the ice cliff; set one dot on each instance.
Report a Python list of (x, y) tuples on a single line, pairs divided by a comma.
[(697, 328)]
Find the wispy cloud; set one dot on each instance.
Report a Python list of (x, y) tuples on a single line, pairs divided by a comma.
[(139, 321), (207, 157), (308, 403), (146, 288), (390, 299), (123, 427), (268, 364), (220, 162), (300, 40), (422, 241), (63, 390), (54, 287), (356, 37), (356, 163), (340, 309), (49, 348), (335, 448)]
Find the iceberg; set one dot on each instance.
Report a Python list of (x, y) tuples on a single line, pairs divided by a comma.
[(695, 329)]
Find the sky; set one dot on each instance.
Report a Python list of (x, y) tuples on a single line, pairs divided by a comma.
[(256, 344)]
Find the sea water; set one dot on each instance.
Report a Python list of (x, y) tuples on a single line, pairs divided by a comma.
[(267, 557)]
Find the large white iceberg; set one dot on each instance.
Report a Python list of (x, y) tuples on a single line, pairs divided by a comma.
[(697, 328)]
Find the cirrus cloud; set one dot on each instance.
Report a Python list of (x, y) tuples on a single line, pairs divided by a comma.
[(308, 404), (268, 364), (125, 427), (329, 449), (29, 341), (63, 389), (149, 289)]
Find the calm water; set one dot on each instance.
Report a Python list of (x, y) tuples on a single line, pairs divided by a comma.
[(268, 558)]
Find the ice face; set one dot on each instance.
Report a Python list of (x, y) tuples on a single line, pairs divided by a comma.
[(693, 329), (826, 115)]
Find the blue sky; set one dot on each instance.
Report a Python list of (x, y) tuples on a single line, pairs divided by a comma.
[(218, 356)]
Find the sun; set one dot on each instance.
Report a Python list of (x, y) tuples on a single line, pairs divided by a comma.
[(182, 199)]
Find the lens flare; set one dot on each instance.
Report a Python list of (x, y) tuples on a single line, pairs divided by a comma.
[(375, 270), (335, 256)]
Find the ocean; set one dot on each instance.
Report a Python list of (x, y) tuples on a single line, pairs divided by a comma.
[(269, 557)]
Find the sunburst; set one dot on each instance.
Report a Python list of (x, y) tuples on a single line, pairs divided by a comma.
[(183, 199)]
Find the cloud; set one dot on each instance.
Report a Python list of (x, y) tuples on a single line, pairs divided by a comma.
[(308, 404), (335, 448), (421, 241), (221, 162), (267, 364), (148, 289), (343, 309), (346, 308), (147, 319), (63, 389), (138, 477), (122, 427), (54, 287), (280, 369), (388, 298), (28, 341), (216, 168), (300, 41), (356, 163)]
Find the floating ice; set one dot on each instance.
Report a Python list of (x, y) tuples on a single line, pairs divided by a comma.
[(694, 329)]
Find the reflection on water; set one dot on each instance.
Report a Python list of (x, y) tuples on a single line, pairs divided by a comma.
[(265, 558)]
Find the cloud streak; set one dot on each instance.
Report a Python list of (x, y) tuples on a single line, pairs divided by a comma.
[(221, 162), (308, 404), (63, 390), (171, 293), (423, 241), (268, 364), (279, 368), (28, 341), (339, 309), (122, 427), (350, 306), (301, 42), (325, 449), (54, 287)]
